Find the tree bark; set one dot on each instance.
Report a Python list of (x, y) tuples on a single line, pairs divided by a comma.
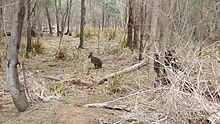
[(130, 25), (29, 29), (82, 24), (68, 20), (142, 19), (12, 81), (136, 25), (38, 21), (48, 18), (153, 31), (201, 29), (1, 20), (57, 18), (166, 32), (103, 18), (63, 22)]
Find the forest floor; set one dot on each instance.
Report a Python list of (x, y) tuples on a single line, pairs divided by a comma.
[(69, 108)]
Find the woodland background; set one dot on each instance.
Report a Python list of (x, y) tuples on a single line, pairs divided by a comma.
[(161, 61)]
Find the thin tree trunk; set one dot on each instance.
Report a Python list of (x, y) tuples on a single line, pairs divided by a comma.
[(39, 26), (99, 36), (154, 19), (201, 28), (166, 31), (82, 24), (130, 25), (57, 18), (1, 20), (103, 18), (142, 30), (63, 22), (108, 20), (137, 17), (29, 29), (125, 16), (68, 20), (48, 18), (165, 37), (12, 81)]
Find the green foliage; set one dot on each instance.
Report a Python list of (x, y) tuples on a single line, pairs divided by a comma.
[(58, 89)]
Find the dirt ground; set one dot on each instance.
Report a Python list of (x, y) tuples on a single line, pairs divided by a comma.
[(69, 109)]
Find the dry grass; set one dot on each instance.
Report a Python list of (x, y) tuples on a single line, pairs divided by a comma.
[(192, 97)]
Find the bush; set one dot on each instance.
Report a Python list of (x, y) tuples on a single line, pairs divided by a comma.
[(38, 47), (62, 53)]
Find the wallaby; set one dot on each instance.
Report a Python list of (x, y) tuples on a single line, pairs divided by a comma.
[(96, 61)]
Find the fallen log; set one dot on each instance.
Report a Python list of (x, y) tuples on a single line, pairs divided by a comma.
[(124, 71)]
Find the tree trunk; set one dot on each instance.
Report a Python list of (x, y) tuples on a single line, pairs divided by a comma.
[(136, 25), (166, 31), (38, 21), (1, 20), (82, 24), (57, 18), (15, 87), (153, 31), (48, 18), (108, 20), (201, 29), (69, 15), (29, 29), (142, 19), (130, 25), (63, 22), (103, 18)]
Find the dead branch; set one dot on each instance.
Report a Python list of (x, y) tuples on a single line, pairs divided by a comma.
[(124, 71), (106, 106)]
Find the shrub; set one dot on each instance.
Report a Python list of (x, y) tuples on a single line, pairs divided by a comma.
[(38, 47), (62, 53)]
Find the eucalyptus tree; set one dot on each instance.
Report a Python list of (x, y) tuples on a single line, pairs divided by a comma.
[(15, 87)]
